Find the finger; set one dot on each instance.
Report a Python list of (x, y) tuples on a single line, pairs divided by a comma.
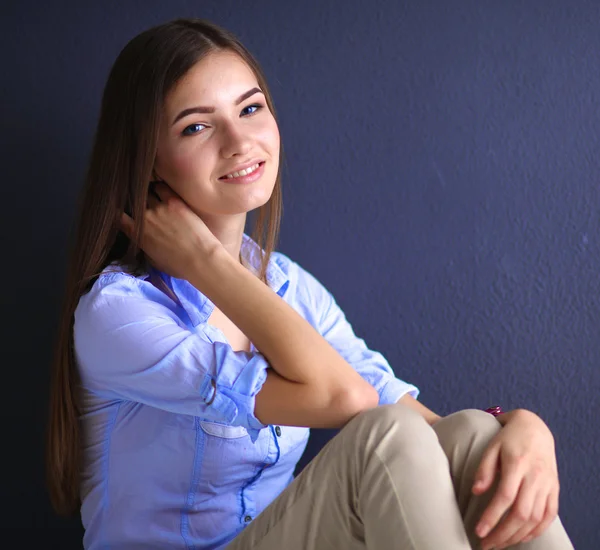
[(550, 514), (510, 481), (488, 467), (536, 517), (518, 517)]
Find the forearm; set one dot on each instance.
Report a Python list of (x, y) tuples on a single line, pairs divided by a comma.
[(293, 348)]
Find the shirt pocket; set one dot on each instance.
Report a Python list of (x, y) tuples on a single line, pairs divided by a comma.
[(223, 430), (229, 458)]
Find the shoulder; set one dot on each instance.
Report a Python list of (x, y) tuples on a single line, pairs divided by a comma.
[(115, 281), (115, 289)]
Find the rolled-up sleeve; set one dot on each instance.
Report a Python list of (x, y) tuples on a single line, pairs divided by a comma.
[(130, 347), (370, 364)]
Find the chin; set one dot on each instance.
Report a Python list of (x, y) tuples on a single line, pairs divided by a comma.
[(242, 206)]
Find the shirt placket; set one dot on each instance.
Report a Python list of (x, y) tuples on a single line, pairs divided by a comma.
[(273, 455)]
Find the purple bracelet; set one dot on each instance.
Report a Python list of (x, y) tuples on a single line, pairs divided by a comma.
[(495, 411)]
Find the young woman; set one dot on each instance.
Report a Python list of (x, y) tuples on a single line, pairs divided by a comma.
[(192, 359)]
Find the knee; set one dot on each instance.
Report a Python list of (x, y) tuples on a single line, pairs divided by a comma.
[(473, 420), (468, 424), (391, 414), (406, 427)]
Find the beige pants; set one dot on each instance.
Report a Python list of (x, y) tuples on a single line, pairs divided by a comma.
[(388, 481)]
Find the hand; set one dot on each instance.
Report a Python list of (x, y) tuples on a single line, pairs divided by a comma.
[(173, 236), (523, 452)]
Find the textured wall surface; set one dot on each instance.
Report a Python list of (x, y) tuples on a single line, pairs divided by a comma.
[(441, 180)]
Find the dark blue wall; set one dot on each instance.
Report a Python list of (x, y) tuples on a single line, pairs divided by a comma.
[(442, 182)]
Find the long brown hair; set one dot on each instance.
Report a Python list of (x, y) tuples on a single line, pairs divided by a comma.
[(117, 180)]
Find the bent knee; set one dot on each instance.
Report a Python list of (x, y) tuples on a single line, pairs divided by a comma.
[(407, 425), (468, 423), (395, 412)]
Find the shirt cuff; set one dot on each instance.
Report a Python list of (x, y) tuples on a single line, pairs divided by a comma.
[(236, 404), (394, 390)]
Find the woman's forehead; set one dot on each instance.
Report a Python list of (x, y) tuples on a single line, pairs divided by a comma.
[(219, 77)]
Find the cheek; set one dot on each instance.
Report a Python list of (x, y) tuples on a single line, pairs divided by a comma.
[(179, 163), (185, 164), (270, 136)]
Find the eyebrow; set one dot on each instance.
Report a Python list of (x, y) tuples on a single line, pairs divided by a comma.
[(193, 110)]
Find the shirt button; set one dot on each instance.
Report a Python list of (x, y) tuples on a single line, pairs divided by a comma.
[(278, 431), (248, 518)]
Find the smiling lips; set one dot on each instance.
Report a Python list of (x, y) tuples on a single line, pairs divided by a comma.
[(247, 174), (243, 172)]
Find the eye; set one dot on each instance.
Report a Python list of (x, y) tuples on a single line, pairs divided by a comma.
[(255, 108), (193, 129)]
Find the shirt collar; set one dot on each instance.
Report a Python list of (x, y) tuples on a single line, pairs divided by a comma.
[(198, 306)]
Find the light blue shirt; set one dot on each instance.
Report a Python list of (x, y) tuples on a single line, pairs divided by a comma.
[(163, 468)]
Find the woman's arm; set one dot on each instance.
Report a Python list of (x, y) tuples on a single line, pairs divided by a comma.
[(312, 385)]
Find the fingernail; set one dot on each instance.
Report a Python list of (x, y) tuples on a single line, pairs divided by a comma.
[(482, 530)]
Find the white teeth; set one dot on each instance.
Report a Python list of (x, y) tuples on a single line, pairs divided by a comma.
[(243, 172)]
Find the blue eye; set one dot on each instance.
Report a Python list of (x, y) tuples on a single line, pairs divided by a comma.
[(194, 129), (191, 133), (255, 106)]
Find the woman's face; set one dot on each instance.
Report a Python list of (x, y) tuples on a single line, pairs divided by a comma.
[(216, 122)]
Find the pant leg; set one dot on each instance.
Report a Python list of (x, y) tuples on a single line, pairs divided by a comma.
[(382, 483), (464, 436)]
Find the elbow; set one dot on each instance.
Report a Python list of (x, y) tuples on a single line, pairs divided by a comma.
[(360, 399), (369, 398)]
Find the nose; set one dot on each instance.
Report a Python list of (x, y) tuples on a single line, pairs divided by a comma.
[(236, 141)]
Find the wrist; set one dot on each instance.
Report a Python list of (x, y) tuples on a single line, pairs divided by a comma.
[(207, 265), (210, 251)]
